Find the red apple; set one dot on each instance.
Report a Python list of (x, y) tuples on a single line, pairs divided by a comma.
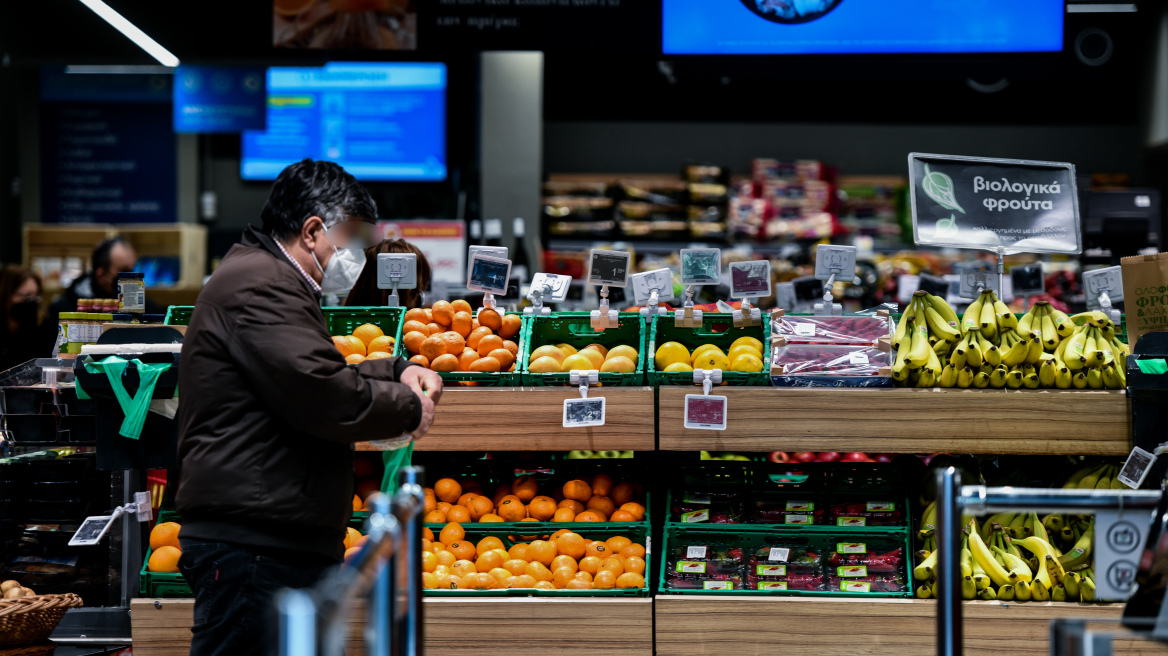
[(803, 456), (855, 456), (778, 456), (827, 456)]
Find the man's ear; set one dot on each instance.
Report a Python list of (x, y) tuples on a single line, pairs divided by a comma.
[(310, 231)]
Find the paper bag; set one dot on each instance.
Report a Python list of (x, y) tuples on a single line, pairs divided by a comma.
[(1145, 294)]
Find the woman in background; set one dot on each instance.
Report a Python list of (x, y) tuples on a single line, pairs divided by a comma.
[(20, 318), (365, 293)]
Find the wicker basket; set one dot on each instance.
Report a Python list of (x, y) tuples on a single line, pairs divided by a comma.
[(32, 619)]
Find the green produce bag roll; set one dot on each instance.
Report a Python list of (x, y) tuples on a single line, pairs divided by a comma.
[(394, 461)]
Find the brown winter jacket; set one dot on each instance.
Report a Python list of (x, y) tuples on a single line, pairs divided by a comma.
[(269, 411)]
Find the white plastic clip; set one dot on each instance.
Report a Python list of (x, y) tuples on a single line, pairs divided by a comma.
[(1105, 307), (747, 316), (707, 378), (605, 317), (488, 302), (653, 308), (829, 306), (536, 297), (687, 316), (583, 378)]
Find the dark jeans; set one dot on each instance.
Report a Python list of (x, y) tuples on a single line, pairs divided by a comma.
[(234, 588)]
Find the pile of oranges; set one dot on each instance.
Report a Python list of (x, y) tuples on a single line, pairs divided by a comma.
[(598, 500), (165, 548), (549, 359), (563, 561), (368, 342), (448, 337)]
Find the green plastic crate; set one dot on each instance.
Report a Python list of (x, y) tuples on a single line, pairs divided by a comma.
[(340, 320), (575, 328), (152, 585), (664, 330), (489, 378), (750, 538), (477, 532)]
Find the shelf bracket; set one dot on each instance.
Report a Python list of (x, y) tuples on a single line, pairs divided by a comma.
[(707, 378), (605, 316), (747, 316), (536, 298), (583, 378), (829, 306), (687, 316), (653, 308)]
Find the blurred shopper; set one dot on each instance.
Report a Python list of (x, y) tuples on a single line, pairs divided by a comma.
[(270, 411), (20, 304), (110, 257)]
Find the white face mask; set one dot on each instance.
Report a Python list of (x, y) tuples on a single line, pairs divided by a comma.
[(343, 269)]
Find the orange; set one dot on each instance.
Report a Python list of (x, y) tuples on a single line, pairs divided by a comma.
[(429, 581), (489, 561), (415, 327), (464, 500), (354, 358), (512, 510), (462, 550), (382, 344), (572, 545), (442, 312), (458, 514), (444, 362), (511, 346), (166, 534), (596, 548), (602, 485), (356, 345), (445, 558), (460, 305), (491, 517), (454, 342), (501, 575), (378, 355), (164, 560), (515, 566), (482, 581), (522, 581), (564, 561), (444, 506), (427, 534), (488, 543), (542, 508), (429, 314), (351, 537), (462, 323), (545, 585), (590, 516), (476, 335), (590, 564), (636, 509), (435, 328), (622, 516), (429, 561), (617, 542), (630, 580), (577, 584), (433, 346), (502, 492), (599, 348), (367, 333), (635, 565), (542, 551), (576, 506), (622, 493), (577, 490), (413, 341), (602, 505), (357, 505), (416, 314), (510, 326), (427, 545), (604, 580), (556, 536), (451, 533), (343, 345), (592, 356), (435, 517), (564, 515), (491, 319), (518, 551), (370, 500), (561, 577), (486, 364), (505, 357), (471, 485), (525, 488), (613, 565), (447, 489), (489, 343), (538, 571), (480, 506), (583, 576), (447, 582), (467, 358)]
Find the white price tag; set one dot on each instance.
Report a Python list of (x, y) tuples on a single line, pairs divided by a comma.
[(695, 517), (858, 357), (797, 519), (854, 586), (1139, 463), (705, 412), (772, 585), (779, 554), (580, 413), (717, 585), (691, 567), (695, 552), (805, 329), (770, 570), (852, 571), (851, 547), (850, 521)]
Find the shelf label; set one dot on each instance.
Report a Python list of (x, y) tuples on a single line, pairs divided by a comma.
[(881, 506), (800, 505), (858, 357), (805, 329), (855, 586), (695, 552), (695, 517), (850, 521), (797, 519), (772, 585), (581, 413), (851, 571), (771, 570), (691, 567), (705, 412), (780, 554), (717, 585), (851, 547)]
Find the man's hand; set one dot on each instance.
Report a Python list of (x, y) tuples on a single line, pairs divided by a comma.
[(427, 385)]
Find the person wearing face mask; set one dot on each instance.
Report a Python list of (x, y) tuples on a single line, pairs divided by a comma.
[(269, 412), (24, 337)]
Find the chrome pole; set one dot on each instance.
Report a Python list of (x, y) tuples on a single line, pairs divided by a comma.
[(297, 623), (409, 636), (979, 500), (948, 590), (377, 625)]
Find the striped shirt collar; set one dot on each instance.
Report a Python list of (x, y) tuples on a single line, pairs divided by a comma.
[(312, 283)]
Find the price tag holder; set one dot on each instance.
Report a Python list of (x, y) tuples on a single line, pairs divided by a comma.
[(701, 266), (833, 261), (974, 280), (1118, 545), (581, 413), (493, 251), (1098, 282), (610, 268), (92, 530), (1135, 469), (1027, 280), (750, 279), (397, 271), (645, 283), (705, 412), (488, 274)]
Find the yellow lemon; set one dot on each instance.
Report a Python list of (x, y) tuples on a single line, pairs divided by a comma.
[(712, 359), (549, 352), (749, 341), (594, 356), (746, 362), (618, 365), (544, 365), (736, 351), (668, 353), (577, 361), (679, 366), (701, 351), (622, 350), (566, 349)]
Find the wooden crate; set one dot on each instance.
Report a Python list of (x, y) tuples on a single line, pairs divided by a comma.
[(62, 241)]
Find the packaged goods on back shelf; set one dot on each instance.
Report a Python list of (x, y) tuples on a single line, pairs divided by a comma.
[(850, 330)]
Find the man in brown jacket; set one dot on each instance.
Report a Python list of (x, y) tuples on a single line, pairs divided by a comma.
[(269, 412)]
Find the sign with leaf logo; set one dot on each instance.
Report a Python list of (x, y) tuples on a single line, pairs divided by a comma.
[(1000, 205)]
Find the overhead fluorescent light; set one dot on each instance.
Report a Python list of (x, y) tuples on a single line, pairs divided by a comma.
[(140, 38), (106, 70)]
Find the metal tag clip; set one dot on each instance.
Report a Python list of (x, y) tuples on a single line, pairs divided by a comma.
[(707, 378), (605, 317), (583, 378), (687, 316)]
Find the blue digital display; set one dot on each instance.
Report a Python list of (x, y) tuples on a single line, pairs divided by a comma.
[(821, 27), (209, 99), (381, 121)]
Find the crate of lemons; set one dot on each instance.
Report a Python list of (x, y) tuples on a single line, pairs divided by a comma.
[(367, 342), (743, 357)]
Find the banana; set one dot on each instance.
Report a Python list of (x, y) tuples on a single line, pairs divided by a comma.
[(1093, 354), (1047, 373), (1080, 380), (970, 321), (1030, 381), (1039, 529), (1063, 379), (1059, 593), (918, 355), (966, 562), (988, 594), (1094, 378), (1071, 583), (1024, 324), (1006, 318), (924, 592), (998, 378), (1081, 552), (1110, 377), (1035, 352), (948, 377), (924, 571), (989, 352), (988, 322), (1054, 523), (1006, 593), (1016, 354), (1050, 338), (1040, 549), (1022, 591), (1053, 568), (981, 380), (905, 320), (1014, 378), (1087, 589), (1039, 591), (957, 355), (942, 308), (1062, 323), (983, 557), (1018, 569), (1016, 526), (934, 363), (968, 588), (939, 326), (927, 379), (973, 354), (980, 578), (965, 378), (1074, 354), (900, 367)]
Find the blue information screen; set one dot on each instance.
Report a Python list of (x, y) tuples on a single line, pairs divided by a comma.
[(209, 99), (820, 27), (381, 121)]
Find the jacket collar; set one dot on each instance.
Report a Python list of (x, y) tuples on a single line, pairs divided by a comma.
[(253, 238)]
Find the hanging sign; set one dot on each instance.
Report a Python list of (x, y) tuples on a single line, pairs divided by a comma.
[(1000, 205)]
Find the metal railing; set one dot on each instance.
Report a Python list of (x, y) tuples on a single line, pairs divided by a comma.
[(954, 500), (388, 568)]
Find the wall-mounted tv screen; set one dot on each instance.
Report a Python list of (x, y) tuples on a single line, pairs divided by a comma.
[(381, 121), (835, 27)]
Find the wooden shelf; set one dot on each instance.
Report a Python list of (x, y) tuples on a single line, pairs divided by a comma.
[(531, 419), (469, 627), (1027, 422), (893, 627)]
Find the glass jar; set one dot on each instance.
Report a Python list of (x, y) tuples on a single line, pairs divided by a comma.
[(132, 292), (85, 305)]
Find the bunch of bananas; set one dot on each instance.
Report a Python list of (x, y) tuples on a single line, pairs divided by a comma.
[(927, 331), (1095, 476), (1090, 354)]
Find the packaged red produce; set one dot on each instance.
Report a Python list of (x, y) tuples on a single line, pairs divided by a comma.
[(828, 360), (866, 513), (866, 584), (707, 507), (855, 330), (809, 582), (717, 582), (787, 511), (794, 557), (699, 560), (862, 559)]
